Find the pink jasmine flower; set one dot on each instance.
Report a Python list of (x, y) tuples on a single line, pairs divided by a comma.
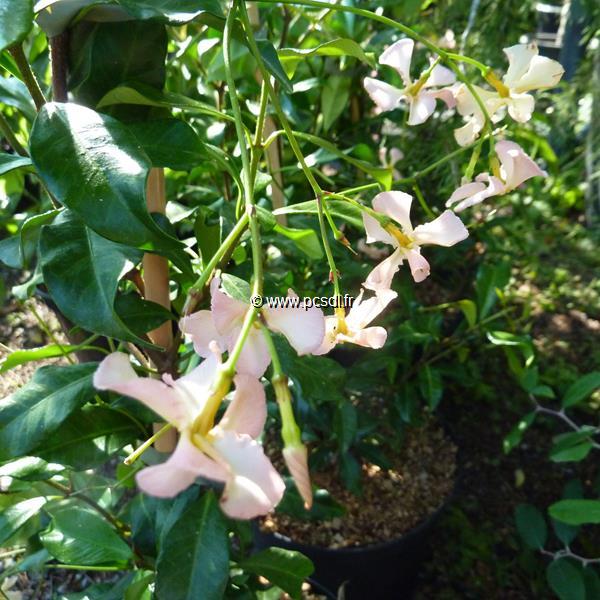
[(419, 95), (303, 328), (515, 168), (226, 452), (527, 71), (353, 328), (445, 230)]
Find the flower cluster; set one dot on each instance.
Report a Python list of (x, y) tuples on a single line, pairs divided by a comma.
[(226, 449)]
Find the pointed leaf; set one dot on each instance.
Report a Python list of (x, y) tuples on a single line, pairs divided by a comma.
[(16, 20), (13, 92), (271, 60), (531, 526), (15, 516), (33, 412), (566, 580), (576, 512), (581, 389), (9, 162)]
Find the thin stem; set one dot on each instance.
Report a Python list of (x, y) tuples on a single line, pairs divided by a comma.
[(141, 449), (28, 77), (467, 59), (82, 567), (422, 201), (50, 334), (12, 140), (234, 355), (275, 362)]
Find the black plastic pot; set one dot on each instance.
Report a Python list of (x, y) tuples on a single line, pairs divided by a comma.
[(380, 571)]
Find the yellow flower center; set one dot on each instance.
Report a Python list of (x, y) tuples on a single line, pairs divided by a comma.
[(399, 235)]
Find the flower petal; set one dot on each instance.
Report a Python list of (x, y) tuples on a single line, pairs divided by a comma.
[(440, 76), (254, 487), (179, 471), (445, 230), (247, 412), (399, 56), (370, 337), (254, 357), (116, 373), (365, 311), (516, 165), (543, 73), (446, 95), (375, 232), (227, 312), (395, 205), (201, 328), (329, 339), (303, 327), (385, 96), (419, 267), (421, 108), (519, 58), (475, 192), (520, 107), (196, 384), (380, 278)]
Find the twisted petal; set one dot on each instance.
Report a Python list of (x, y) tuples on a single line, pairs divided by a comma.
[(395, 205), (440, 76), (116, 373), (528, 71), (385, 96), (329, 339), (445, 94), (519, 58), (419, 267), (399, 56), (370, 337), (365, 311), (296, 460), (421, 108), (304, 327), (253, 487), (475, 192), (179, 472), (254, 357), (227, 312), (375, 232), (247, 412), (520, 107), (380, 278), (445, 230), (201, 328), (516, 165)]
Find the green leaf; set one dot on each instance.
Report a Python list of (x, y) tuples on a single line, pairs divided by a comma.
[(141, 315), (105, 55), (78, 263), (9, 162), (334, 99), (79, 536), (271, 60), (576, 512), (592, 582), (20, 357), (16, 20), (170, 143), (15, 516), (207, 236), (193, 563), (431, 386), (101, 174), (145, 95), (574, 446), (236, 288), (30, 468), (469, 309), (324, 507), (284, 568), (338, 208), (345, 425), (566, 580), (174, 12), (490, 279), (513, 439), (305, 240), (54, 16), (13, 92), (531, 526), (30, 233), (581, 389), (33, 412), (291, 57), (88, 437)]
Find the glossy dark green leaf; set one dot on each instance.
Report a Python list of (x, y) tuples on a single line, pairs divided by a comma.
[(573, 446), (193, 563), (172, 11), (273, 65), (89, 437), (581, 389), (105, 55), (513, 439), (324, 507), (141, 315), (15, 516), (490, 279), (334, 99), (531, 526), (431, 386), (9, 162), (306, 240), (30, 468), (54, 16), (566, 580), (170, 143), (33, 412), (16, 20), (101, 174), (30, 233), (345, 425), (284, 568), (20, 357), (207, 236), (145, 95), (13, 92), (78, 263), (337, 208), (235, 287), (576, 512), (78, 536), (291, 57)]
